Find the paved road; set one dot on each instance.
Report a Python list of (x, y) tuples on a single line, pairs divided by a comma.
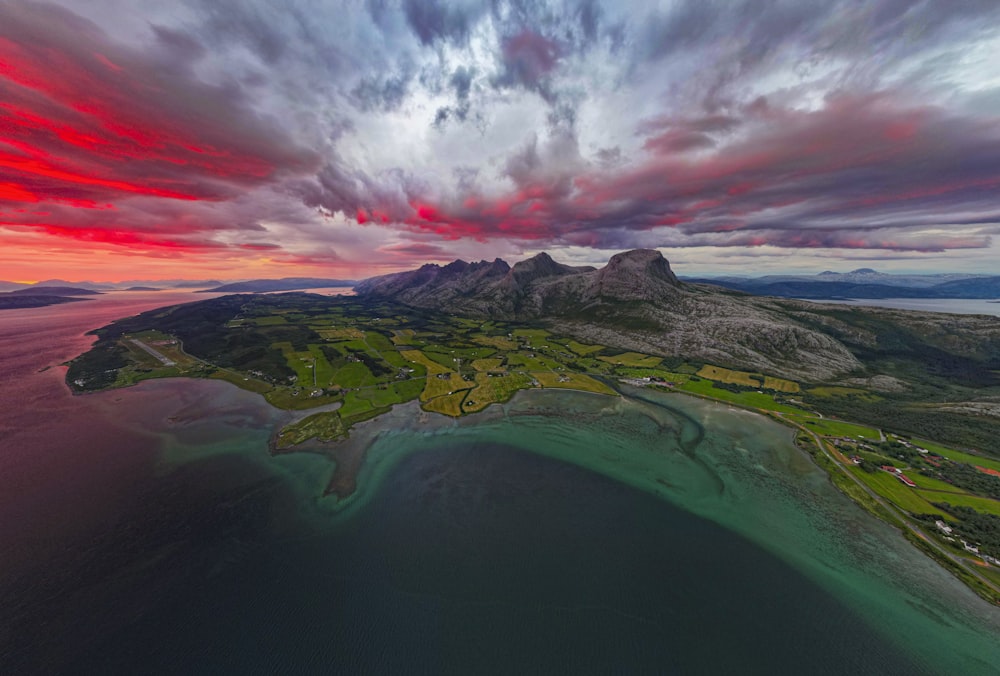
[(166, 360)]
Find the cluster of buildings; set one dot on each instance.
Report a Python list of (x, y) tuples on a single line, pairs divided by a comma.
[(898, 473)]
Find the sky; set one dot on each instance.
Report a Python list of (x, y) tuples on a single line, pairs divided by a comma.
[(231, 139)]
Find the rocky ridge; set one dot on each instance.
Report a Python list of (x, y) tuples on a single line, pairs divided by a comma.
[(636, 302)]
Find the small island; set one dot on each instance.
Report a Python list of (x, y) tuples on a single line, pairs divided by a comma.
[(42, 296)]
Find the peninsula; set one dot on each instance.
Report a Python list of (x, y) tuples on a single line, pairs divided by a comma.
[(900, 407)]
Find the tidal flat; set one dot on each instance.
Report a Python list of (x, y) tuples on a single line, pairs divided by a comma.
[(652, 526)]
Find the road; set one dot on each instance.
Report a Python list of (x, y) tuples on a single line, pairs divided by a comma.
[(903, 517), (165, 360)]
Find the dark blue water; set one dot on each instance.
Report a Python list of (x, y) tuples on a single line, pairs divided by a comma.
[(485, 560)]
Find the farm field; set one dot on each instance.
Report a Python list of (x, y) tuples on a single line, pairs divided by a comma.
[(894, 490), (748, 398), (976, 502), (837, 428), (633, 359), (958, 456)]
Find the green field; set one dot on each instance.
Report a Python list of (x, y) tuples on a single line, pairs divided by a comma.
[(489, 364), (531, 334), (573, 381), (354, 374), (439, 387), (321, 426), (668, 376), (494, 389), (450, 404), (418, 357), (582, 349), (270, 320), (633, 359), (498, 342), (892, 489), (928, 482), (837, 428), (780, 384), (958, 456), (976, 502), (341, 333), (748, 398), (835, 391), (727, 376)]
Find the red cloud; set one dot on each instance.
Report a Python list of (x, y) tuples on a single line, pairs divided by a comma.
[(791, 178), (90, 123)]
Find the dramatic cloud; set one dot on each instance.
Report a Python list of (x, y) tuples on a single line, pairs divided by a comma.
[(348, 135)]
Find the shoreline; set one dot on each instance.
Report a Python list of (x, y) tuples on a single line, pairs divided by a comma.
[(350, 452)]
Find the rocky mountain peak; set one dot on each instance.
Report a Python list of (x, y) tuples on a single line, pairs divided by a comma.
[(648, 263), (455, 267), (537, 267), (640, 274)]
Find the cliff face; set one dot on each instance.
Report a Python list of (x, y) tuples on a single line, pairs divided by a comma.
[(531, 288), (635, 302)]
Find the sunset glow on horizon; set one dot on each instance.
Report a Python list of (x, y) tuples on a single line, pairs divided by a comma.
[(230, 140)]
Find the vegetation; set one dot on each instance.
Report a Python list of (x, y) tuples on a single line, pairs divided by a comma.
[(633, 359)]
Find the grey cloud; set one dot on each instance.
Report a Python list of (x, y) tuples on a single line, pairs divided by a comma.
[(383, 92), (434, 20)]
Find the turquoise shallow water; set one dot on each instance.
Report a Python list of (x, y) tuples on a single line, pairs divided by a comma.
[(149, 531)]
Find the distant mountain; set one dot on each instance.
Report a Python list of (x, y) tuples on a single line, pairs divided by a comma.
[(862, 277), (980, 287), (819, 290), (285, 284), (93, 286), (11, 286), (143, 288), (889, 287), (54, 291), (195, 284)]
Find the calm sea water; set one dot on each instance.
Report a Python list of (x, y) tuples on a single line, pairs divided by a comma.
[(149, 531), (960, 306)]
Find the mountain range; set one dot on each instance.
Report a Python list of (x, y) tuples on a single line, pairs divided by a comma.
[(636, 302)]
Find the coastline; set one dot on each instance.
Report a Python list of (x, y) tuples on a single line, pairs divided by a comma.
[(742, 472)]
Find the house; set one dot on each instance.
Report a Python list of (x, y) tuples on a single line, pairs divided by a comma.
[(943, 527), (898, 473)]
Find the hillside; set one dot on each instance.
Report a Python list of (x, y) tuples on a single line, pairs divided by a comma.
[(55, 291), (14, 302)]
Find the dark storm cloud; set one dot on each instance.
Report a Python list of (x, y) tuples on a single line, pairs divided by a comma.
[(434, 20)]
